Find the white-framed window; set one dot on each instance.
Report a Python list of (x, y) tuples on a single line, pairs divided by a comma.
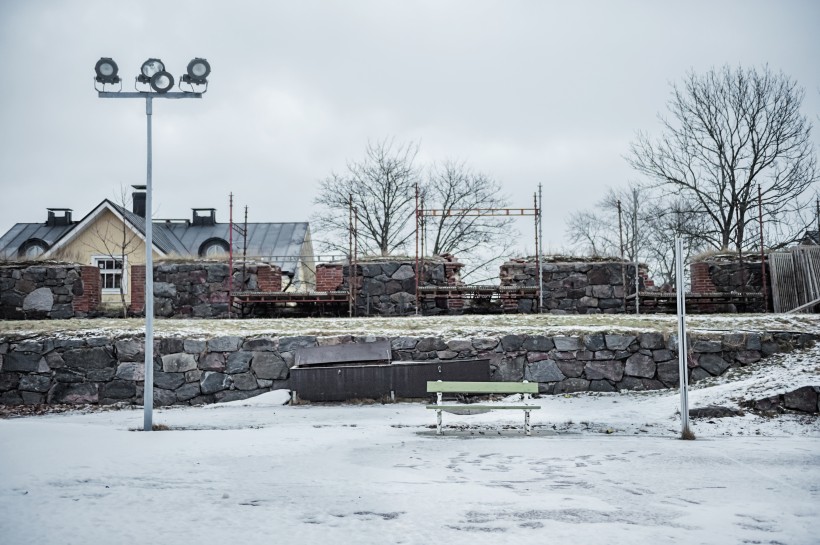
[(113, 274)]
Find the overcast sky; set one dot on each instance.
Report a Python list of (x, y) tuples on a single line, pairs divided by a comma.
[(526, 92)]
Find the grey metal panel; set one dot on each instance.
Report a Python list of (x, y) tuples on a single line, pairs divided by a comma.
[(410, 378), (407, 379), (344, 353), (341, 383)]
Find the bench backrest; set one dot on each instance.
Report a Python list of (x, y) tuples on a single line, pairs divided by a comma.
[(453, 387), (344, 353)]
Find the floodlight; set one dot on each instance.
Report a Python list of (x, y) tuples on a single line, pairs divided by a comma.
[(106, 70), (149, 69), (198, 71), (162, 81)]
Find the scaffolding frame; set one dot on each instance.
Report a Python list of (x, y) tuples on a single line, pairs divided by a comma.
[(422, 213)]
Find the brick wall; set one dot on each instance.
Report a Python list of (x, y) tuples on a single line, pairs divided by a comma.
[(329, 276), (137, 289), (701, 278), (269, 278), (92, 292)]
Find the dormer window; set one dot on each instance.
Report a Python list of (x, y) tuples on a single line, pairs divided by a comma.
[(213, 247), (32, 248)]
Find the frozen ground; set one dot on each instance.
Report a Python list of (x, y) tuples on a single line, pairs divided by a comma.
[(599, 469), (447, 326)]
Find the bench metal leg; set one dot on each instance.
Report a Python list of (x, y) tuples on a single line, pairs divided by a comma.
[(527, 428), (438, 422)]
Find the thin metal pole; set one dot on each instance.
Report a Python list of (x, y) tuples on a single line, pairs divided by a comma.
[(230, 255), (635, 246), (245, 249), (148, 387), (623, 264), (350, 265), (541, 239), (537, 250), (417, 249), (762, 251), (683, 350)]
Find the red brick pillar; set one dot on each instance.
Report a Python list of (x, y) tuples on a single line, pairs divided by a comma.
[(701, 279), (137, 289), (92, 293), (329, 276), (269, 278)]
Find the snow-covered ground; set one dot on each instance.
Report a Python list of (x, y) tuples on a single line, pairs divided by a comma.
[(605, 469)]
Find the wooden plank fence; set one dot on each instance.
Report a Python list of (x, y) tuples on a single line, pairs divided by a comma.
[(795, 278)]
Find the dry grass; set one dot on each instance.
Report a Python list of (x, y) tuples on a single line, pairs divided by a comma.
[(687, 434)]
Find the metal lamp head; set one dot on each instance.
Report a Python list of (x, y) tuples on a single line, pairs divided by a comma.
[(162, 81), (106, 70), (198, 71), (149, 69)]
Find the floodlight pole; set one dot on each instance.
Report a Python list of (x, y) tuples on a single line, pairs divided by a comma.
[(148, 388), (683, 347)]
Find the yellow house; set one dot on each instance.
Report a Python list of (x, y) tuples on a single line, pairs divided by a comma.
[(111, 237)]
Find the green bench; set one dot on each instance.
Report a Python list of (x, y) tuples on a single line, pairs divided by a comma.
[(506, 388)]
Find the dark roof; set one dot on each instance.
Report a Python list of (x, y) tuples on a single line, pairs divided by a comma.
[(278, 243), (811, 237), (10, 242)]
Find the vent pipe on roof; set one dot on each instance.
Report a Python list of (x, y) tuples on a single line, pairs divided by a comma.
[(204, 216), (138, 200)]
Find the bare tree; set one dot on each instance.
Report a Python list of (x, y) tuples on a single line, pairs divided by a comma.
[(382, 186), (456, 190), (731, 130), (650, 222)]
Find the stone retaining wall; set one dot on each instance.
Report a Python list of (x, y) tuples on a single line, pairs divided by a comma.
[(573, 288), (37, 291), (192, 371), (199, 289)]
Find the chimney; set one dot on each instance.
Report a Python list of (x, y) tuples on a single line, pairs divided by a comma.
[(138, 200), (58, 217), (204, 216)]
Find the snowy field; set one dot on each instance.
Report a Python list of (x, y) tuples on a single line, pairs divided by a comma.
[(604, 468)]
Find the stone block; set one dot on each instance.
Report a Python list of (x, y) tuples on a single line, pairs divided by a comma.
[(268, 365), (446, 354), (543, 371), (129, 350), (39, 300), (572, 369), (169, 381), (571, 385), (512, 343), (34, 383), (178, 363), (74, 393), (9, 381), (619, 342), (165, 289), (509, 369), (610, 370), (403, 273), (188, 391), (260, 344), (663, 355), (460, 345), (480, 343), (23, 362), (640, 365), (244, 381), (713, 363), (119, 389), (32, 398), (85, 359), (212, 361), (430, 344), (565, 344), (651, 341), (538, 343), (164, 398), (745, 357), (803, 399), (131, 370), (213, 382), (601, 386), (226, 344), (594, 342), (289, 344), (192, 346), (239, 362), (698, 374), (705, 346)]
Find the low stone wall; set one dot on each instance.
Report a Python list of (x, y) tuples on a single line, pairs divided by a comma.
[(572, 287), (726, 274), (192, 371), (200, 289), (37, 291), (387, 288)]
